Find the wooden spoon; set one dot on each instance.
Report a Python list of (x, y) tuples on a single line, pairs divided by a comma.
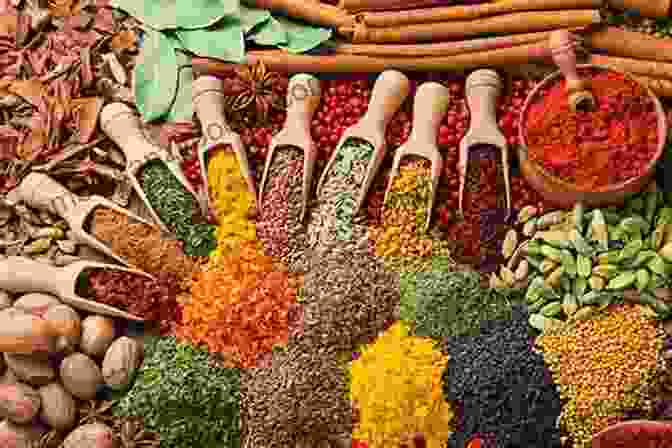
[(21, 275), (563, 46), (429, 106), (40, 191), (122, 124), (303, 97), (208, 96), (389, 92)]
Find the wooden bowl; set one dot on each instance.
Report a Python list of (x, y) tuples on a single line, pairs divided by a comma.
[(564, 194), (634, 434)]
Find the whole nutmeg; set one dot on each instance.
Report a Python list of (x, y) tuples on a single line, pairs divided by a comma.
[(67, 324), (92, 435), (121, 361), (35, 370), (59, 409), (36, 303), (81, 376), (19, 402), (97, 335), (25, 333), (19, 436)]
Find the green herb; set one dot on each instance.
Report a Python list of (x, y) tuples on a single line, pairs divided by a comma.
[(183, 396), (455, 304), (176, 207)]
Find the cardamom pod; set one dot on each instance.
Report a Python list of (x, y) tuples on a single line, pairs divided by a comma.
[(643, 278), (596, 282), (38, 246), (530, 228), (622, 280), (584, 266), (599, 229), (507, 275), (548, 265), (630, 250), (551, 309), (552, 253), (570, 305), (522, 270), (584, 313), (510, 243), (526, 213), (666, 252), (551, 219), (496, 282), (606, 271), (554, 277)]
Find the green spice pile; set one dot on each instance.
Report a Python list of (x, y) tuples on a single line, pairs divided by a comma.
[(184, 397), (602, 366), (408, 301), (578, 261), (455, 304), (177, 208)]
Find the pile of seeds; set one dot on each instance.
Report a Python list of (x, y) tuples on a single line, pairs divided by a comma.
[(279, 227), (602, 366), (503, 389), (302, 393)]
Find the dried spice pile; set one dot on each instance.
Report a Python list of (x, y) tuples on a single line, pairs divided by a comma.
[(596, 148), (502, 388), (401, 239), (142, 245), (602, 366), (233, 203), (396, 385), (453, 304), (149, 299), (177, 208), (184, 396), (243, 306), (279, 226), (302, 394)]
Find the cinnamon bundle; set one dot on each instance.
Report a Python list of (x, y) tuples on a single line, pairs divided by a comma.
[(521, 22), (282, 61), (385, 5), (441, 48), (631, 44), (635, 66), (661, 87), (469, 12), (309, 11)]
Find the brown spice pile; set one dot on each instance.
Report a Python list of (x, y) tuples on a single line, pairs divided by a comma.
[(143, 246)]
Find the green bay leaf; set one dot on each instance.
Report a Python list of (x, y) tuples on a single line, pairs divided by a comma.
[(223, 41), (174, 14)]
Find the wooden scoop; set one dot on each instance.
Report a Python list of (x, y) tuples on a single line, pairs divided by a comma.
[(483, 87), (208, 97), (389, 92), (303, 97), (563, 47), (122, 124), (20, 275), (429, 106), (40, 191)]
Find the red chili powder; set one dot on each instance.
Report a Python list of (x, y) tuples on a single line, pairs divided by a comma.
[(608, 145), (153, 300)]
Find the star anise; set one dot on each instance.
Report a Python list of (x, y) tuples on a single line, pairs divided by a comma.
[(255, 94), (131, 433), (94, 411)]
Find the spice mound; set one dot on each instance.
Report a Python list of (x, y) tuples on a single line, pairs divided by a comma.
[(400, 239), (396, 385), (153, 300), (142, 245), (602, 366), (502, 388), (243, 306), (593, 149)]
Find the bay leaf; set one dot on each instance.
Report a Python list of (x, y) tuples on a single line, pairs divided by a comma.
[(250, 18), (178, 14), (223, 41), (271, 33), (302, 37), (155, 75), (183, 106)]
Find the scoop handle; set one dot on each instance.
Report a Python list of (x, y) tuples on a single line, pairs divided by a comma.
[(21, 274), (482, 90), (429, 107), (208, 95), (562, 46), (303, 97), (44, 193), (122, 124), (389, 92)]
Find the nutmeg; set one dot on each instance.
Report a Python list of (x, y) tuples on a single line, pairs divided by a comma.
[(98, 333)]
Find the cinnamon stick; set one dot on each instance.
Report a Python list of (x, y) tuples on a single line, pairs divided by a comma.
[(652, 69), (282, 61), (469, 12), (646, 8), (661, 87), (385, 5), (310, 11), (521, 22), (441, 48), (631, 44)]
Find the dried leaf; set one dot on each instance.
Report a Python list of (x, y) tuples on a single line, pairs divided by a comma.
[(33, 143), (32, 90), (61, 8), (125, 40), (87, 111)]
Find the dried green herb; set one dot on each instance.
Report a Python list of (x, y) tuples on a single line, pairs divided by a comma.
[(176, 207), (455, 304), (184, 396)]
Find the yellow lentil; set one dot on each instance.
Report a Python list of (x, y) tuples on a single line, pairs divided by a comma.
[(396, 385)]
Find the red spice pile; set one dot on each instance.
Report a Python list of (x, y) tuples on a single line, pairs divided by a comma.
[(149, 299), (596, 148)]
